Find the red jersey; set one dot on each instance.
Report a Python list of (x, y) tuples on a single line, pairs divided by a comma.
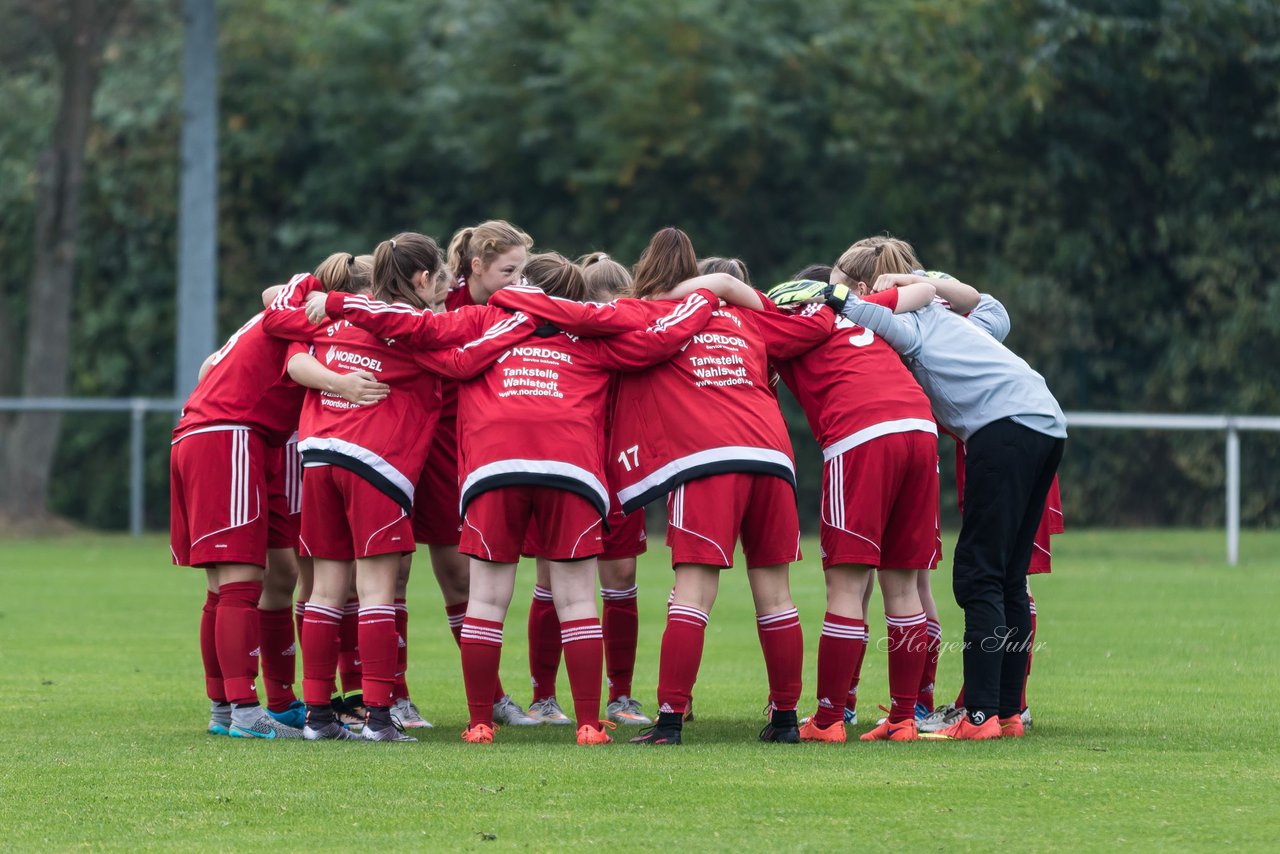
[(561, 385), (853, 386), (459, 296), (708, 410), (246, 385), (385, 442)]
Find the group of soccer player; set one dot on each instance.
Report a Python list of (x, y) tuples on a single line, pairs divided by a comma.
[(491, 404)]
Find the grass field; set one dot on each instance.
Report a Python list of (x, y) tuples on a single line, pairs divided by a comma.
[(1154, 695)]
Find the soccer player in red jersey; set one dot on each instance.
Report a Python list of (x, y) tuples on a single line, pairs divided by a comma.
[(483, 258), (879, 501), (362, 463), (242, 409), (726, 463), (624, 540)]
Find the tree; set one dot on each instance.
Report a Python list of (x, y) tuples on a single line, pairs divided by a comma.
[(77, 30)]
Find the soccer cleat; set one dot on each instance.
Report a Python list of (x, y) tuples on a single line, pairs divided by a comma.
[(1026, 718), (942, 717), (264, 726), (850, 717), (507, 711), (294, 716), (688, 711), (922, 712), (548, 711), (658, 735), (406, 714), (389, 733), (346, 716), (835, 734), (478, 734), (782, 728), (963, 730), (331, 731), (626, 710), (587, 734), (1012, 727), (887, 731), (219, 718)]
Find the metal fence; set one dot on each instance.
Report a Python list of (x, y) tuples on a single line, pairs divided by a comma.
[(1232, 425)]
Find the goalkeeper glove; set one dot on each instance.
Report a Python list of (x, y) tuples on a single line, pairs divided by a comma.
[(806, 291)]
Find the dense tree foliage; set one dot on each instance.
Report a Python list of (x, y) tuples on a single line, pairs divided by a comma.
[(1110, 169)]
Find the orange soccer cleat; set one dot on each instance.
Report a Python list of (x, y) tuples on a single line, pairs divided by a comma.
[(834, 733), (587, 734), (1012, 727), (962, 730), (478, 734), (886, 731)]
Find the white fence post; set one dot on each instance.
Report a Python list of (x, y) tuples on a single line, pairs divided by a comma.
[(1233, 493)]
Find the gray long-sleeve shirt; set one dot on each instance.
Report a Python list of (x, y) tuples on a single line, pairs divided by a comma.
[(971, 378)]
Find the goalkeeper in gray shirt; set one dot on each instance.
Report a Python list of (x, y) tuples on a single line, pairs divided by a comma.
[(1014, 432)]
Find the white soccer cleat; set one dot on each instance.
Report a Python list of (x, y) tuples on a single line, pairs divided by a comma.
[(406, 714), (548, 711), (507, 711)]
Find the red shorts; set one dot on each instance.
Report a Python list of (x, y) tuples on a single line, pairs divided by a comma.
[(499, 522), (707, 515), (626, 536), (218, 498), (345, 517), (435, 498), (284, 496), (880, 504), (1050, 523)]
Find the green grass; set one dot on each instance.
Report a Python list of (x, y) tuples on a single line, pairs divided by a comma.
[(1153, 696)]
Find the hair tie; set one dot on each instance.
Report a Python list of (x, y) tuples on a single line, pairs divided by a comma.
[(351, 259), (393, 243)]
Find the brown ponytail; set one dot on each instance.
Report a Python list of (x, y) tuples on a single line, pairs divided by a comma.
[(398, 260), (556, 275), (667, 261), (605, 277), (872, 257), (344, 272)]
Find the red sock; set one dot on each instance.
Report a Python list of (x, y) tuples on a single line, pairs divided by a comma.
[(859, 653), (481, 643), (456, 613), (934, 630), (681, 657), (378, 654), (279, 657), (1031, 649), (236, 637), (783, 644), (320, 627), (349, 665), (401, 688), (621, 623), (836, 651), (960, 698), (583, 643), (908, 646), (209, 649), (299, 614), (544, 644)]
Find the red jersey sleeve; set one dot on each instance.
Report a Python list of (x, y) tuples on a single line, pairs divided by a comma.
[(887, 298), (423, 329), (285, 317), (588, 320), (662, 339), (475, 357), (787, 336)]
